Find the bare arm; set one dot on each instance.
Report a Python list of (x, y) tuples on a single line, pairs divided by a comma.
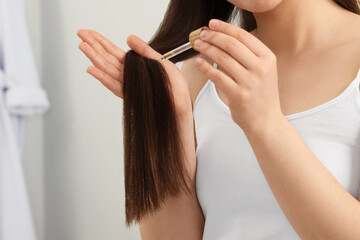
[(314, 202)]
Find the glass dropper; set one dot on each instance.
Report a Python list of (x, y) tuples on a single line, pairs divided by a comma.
[(194, 35)]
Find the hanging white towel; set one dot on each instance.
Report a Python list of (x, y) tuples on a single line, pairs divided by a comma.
[(20, 96)]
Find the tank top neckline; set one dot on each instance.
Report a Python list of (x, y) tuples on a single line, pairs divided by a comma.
[(324, 105)]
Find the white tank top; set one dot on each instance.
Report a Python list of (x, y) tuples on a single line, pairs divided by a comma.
[(233, 193)]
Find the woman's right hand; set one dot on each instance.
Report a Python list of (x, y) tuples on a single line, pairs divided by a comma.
[(108, 60)]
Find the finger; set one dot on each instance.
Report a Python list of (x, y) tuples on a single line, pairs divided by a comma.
[(249, 40), (220, 79), (232, 46), (88, 36), (110, 83), (100, 62), (142, 48), (227, 62), (109, 46)]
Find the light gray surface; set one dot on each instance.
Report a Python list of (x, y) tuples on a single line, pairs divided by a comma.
[(33, 144)]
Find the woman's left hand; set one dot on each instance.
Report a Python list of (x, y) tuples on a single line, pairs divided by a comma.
[(251, 86)]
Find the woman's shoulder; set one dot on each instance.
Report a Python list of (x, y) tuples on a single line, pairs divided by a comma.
[(347, 42), (196, 79), (353, 29), (355, 39), (356, 28), (345, 50)]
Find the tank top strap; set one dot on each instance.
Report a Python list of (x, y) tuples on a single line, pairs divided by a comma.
[(357, 79)]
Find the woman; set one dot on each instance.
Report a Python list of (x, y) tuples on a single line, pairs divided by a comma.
[(277, 123)]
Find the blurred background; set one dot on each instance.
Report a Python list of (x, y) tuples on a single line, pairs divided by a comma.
[(73, 153)]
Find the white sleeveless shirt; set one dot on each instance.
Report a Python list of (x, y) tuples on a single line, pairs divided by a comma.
[(233, 193)]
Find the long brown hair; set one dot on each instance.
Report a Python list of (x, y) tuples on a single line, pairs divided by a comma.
[(153, 154)]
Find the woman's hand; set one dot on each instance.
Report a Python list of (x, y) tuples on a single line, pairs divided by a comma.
[(251, 87), (108, 60)]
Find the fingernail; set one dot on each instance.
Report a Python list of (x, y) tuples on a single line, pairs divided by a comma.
[(198, 43), (204, 34), (214, 23), (199, 61)]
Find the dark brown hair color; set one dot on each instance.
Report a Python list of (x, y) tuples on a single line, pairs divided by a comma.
[(154, 165)]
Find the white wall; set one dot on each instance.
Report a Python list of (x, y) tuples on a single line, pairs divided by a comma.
[(33, 144), (74, 170)]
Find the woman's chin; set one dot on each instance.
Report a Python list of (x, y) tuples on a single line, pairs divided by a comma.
[(256, 6)]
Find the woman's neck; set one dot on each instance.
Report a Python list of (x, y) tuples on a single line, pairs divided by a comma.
[(295, 26)]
